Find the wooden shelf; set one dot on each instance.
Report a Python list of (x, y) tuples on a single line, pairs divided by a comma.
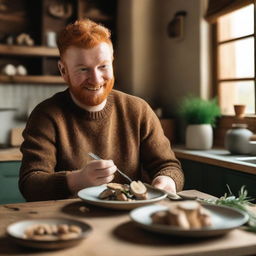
[(28, 50), (32, 79)]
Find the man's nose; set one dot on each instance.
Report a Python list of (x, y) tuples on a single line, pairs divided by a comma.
[(95, 77)]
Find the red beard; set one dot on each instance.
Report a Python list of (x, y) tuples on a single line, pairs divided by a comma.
[(88, 98)]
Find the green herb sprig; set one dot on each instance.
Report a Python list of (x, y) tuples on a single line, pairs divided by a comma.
[(242, 202)]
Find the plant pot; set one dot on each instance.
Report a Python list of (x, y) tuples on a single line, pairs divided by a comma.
[(239, 110), (199, 136)]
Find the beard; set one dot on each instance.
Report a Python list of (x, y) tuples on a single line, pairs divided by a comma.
[(91, 98)]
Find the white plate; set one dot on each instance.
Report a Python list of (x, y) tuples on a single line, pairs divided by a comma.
[(91, 195), (16, 232), (224, 220)]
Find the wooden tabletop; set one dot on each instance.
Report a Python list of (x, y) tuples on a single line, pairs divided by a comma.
[(115, 235)]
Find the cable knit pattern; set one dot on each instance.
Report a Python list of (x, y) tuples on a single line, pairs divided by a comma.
[(59, 135)]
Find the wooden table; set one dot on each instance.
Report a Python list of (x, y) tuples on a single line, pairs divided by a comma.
[(115, 235)]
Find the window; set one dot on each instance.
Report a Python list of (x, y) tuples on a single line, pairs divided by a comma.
[(235, 63)]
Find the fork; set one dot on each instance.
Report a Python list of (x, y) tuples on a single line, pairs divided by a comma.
[(98, 158)]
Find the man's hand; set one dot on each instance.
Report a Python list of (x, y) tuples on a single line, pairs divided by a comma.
[(95, 173), (164, 182)]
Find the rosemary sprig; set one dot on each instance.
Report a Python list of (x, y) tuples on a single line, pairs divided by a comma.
[(242, 202)]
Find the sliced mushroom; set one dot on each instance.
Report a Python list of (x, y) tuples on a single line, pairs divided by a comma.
[(178, 218), (191, 209), (121, 196), (106, 193), (205, 217), (115, 186), (159, 217), (138, 189)]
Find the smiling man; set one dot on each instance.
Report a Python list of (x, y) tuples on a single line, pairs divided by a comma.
[(90, 116)]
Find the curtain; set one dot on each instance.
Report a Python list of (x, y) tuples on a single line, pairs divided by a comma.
[(217, 8)]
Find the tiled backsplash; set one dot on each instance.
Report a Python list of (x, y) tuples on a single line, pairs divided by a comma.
[(25, 97)]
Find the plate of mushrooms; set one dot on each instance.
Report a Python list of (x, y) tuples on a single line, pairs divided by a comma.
[(189, 219), (48, 233), (121, 196)]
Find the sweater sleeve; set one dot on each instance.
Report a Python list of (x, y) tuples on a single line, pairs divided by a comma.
[(156, 154), (38, 178)]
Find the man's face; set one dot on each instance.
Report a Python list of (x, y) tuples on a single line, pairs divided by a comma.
[(89, 73)]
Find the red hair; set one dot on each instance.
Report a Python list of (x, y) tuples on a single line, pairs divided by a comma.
[(83, 33)]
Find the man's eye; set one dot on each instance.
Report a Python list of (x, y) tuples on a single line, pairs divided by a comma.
[(103, 66), (83, 69)]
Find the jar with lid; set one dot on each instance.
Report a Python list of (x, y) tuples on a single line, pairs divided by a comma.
[(237, 139)]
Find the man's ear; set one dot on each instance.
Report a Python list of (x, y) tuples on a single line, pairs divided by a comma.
[(62, 70)]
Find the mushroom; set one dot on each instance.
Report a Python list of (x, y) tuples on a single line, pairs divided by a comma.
[(106, 193), (205, 217), (138, 189), (191, 209), (121, 196), (176, 217), (115, 186), (159, 217)]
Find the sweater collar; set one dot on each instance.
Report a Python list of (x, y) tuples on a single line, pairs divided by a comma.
[(97, 115)]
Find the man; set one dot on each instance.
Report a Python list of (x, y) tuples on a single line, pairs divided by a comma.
[(91, 117)]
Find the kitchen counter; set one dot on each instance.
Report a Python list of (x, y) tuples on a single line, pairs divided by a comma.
[(10, 154), (218, 157)]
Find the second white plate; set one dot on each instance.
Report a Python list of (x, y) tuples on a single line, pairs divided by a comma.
[(224, 220)]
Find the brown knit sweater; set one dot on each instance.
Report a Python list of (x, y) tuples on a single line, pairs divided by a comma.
[(59, 134)]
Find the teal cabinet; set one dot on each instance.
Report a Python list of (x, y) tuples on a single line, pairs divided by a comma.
[(213, 179), (9, 175)]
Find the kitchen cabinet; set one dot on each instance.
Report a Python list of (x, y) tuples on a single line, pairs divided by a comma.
[(42, 20), (9, 175), (213, 179)]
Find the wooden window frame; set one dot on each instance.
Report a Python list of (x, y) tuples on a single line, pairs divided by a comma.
[(215, 77), (225, 121)]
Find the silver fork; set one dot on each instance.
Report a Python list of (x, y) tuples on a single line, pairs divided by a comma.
[(98, 158)]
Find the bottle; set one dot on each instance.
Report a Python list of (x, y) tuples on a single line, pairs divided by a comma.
[(237, 139)]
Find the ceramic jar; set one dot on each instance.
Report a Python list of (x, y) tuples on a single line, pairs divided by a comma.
[(237, 139)]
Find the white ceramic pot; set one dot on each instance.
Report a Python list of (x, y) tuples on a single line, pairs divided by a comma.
[(199, 136)]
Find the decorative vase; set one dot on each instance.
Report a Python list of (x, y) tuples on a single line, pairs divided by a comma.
[(237, 139), (199, 136)]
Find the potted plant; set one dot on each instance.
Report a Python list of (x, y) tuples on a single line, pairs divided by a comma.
[(200, 116)]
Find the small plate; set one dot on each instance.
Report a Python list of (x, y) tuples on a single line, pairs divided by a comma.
[(16, 232), (224, 220), (91, 195)]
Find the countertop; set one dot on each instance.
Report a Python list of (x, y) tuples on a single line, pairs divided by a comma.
[(218, 157), (10, 154), (114, 234)]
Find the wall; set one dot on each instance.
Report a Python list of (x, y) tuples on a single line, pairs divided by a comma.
[(156, 67)]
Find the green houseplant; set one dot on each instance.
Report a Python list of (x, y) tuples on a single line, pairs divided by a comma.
[(200, 116)]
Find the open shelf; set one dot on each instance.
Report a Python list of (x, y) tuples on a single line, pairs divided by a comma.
[(28, 50), (32, 79)]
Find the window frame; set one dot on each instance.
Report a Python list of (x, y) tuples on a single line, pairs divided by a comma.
[(215, 76)]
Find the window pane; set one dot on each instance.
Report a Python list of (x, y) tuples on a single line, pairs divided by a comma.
[(236, 24), (232, 93), (236, 59)]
